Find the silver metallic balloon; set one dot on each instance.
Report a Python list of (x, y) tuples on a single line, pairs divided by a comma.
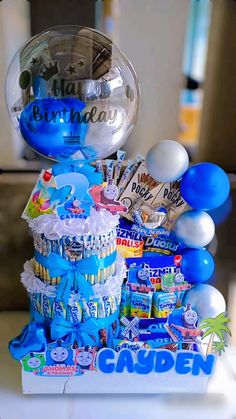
[(206, 300), (167, 161), (195, 229)]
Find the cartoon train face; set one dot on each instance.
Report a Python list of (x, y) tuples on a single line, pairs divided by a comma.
[(110, 192), (59, 353), (33, 361), (179, 277), (190, 318), (182, 324), (143, 275), (85, 358)]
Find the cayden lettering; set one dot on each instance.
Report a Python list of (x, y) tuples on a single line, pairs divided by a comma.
[(146, 361)]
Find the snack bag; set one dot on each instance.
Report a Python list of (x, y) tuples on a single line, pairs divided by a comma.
[(129, 241)]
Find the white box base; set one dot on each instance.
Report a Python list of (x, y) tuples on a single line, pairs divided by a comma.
[(96, 382)]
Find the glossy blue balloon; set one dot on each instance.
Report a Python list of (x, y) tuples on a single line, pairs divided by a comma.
[(197, 265), (50, 126), (205, 186)]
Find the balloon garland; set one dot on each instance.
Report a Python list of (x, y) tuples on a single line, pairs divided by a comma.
[(205, 187)]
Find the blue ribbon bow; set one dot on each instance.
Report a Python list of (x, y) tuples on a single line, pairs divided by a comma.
[(71, 273), (85, 333)]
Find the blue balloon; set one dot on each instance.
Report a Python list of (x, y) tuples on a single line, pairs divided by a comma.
[(197, 265), (54, 127), (205, 186)]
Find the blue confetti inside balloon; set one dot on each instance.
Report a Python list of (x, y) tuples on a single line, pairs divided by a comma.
[(205, 186), (54, 127), (197, 265)]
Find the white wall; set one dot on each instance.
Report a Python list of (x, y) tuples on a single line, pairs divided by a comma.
[(152, 34), (14, 31)]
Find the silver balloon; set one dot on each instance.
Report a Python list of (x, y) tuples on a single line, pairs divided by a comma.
[(206, 300), (195, 229), (167, 161)]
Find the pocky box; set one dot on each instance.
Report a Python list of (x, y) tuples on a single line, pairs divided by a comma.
[(141, 185), (169, 196)]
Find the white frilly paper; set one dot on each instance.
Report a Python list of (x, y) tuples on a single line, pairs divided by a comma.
[(33, 284), (53, 227), (113, 283), (112, 287)]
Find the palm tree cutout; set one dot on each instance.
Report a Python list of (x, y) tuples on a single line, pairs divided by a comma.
[(219, 347), (216, 327)]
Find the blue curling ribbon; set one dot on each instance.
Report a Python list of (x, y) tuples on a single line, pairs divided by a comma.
[(72, 272), (79, 166), (85, 333)]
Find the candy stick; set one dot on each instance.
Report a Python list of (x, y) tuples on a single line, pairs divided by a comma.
[(54, 281), (99, 168), (36, 268), (120, 159), (109, 169), (129, 172), (125, 177)]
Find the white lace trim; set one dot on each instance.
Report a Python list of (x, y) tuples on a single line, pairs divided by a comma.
[(53, 227), (33, 284)]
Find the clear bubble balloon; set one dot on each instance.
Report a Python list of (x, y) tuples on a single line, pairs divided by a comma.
[(72, 94)]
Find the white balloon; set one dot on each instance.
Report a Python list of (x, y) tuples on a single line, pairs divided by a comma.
[(167, 161), (206, 300), (195, 229)]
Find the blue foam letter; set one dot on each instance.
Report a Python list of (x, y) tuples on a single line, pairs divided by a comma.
[(204, 364), (145, 364), (164, 361), (103, 358), (125, 360), (182, 362)]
